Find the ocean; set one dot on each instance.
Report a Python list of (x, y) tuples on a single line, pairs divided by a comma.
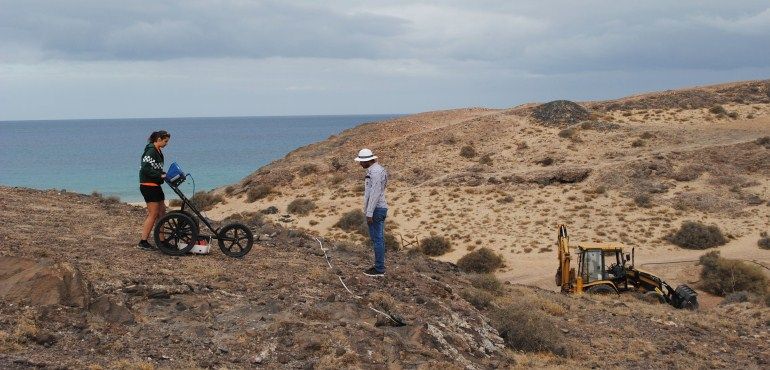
[(103, 155)]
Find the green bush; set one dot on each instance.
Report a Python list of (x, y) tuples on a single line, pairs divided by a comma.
[(434, 246), (722, 276), (301, 206), (204, 201), (525, 327), (695, 235), (482, 260), (258, 192)]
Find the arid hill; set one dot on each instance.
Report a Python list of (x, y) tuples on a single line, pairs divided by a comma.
[(630, 170), (95, 301)]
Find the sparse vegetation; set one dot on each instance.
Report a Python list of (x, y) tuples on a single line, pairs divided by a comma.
[(353, 221), (258, 192), (763, 141), (482, 260), (525, 327), (307, 169), (643, 200), (254, 219), (764, 241), (486, 159), (434, 246), (695, 235), (468, 151), (109, 199), (205, 201), (638, 143), (722, 276), (487, 282), (718, 110), (478, 298), (301, 206), (568, 133)]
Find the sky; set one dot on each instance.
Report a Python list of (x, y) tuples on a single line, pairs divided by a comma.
[(79, 59)]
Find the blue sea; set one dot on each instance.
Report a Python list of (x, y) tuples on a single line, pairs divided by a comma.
[(103, 154)]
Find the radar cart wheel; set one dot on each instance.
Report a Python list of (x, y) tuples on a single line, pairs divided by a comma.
[(235, 240), (176, 233)]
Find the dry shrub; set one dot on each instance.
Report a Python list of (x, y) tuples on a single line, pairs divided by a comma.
[(434, 246), (468, 151), (764, 241), (704, 202), (254, 219), (688, 173), (482, 260), (391, 243), (229, 190), (478, 298), (205, 201), (763, 141), (486, 160), (307, 169), (174, 203), (258, 192), (646, 135), (718, 110), (112, 199), (526, 327), (568, 133), (487, 282), (722, 276), (301, 206), (353, 221), (638, 143), (695, 235), (643, 200)]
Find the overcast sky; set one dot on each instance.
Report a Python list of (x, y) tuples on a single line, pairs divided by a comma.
[(170, 58)]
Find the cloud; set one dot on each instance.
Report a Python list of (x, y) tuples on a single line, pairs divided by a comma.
[(550, 37)]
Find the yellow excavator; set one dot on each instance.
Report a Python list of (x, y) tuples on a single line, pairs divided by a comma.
[(602, 268)]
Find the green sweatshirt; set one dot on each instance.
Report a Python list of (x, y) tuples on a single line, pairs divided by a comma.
[(152, 165)]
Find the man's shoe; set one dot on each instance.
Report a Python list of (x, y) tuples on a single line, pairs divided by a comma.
[(145, 245), (373, 272)]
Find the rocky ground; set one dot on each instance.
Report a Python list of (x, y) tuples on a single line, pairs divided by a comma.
[(76, 293)]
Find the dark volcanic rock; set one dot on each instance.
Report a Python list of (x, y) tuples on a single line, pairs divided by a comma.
[(560, 113)]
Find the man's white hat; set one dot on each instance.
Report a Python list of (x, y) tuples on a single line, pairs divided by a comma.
[(365, 155)]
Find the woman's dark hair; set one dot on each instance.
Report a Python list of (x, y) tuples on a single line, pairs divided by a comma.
[(158, 135)]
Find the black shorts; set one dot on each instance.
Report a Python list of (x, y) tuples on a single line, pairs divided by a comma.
[(152, 193)]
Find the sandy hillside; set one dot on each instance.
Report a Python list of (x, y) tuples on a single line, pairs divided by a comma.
[(629, 170)]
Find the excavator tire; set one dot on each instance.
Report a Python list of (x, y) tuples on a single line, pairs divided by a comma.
[(601, 289), (685, 298)]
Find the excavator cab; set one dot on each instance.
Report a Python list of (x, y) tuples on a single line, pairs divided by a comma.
[(601, 268)]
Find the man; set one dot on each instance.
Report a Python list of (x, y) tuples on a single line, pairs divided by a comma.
[(375, 207)]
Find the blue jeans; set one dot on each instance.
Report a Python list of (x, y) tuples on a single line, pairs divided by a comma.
[(377, 233)]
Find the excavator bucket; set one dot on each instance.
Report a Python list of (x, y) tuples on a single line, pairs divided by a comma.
[(685, 297)]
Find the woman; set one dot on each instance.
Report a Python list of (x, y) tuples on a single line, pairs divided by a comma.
[(150, 178)]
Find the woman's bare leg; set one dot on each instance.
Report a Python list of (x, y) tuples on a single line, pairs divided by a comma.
[(153, 209)]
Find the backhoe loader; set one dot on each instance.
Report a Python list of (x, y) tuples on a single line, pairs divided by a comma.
[(602, 268)]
